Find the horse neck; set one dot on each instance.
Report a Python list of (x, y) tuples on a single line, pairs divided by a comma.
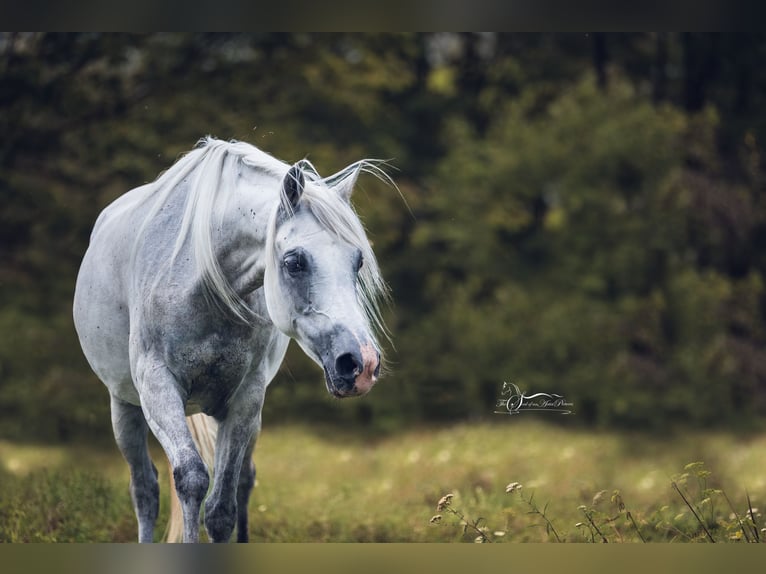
[(240, 230)]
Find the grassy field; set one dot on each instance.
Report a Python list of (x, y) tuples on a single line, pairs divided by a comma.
[(330, 485)]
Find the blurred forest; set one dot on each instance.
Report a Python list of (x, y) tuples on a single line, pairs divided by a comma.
[(585, 212)]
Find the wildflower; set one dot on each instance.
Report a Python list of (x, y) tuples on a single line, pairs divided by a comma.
[(513, 487), (444, 502)]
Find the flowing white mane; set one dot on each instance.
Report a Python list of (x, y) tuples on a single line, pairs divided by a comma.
[(210, 184)]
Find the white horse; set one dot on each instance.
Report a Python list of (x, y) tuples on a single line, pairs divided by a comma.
[(188, 295)]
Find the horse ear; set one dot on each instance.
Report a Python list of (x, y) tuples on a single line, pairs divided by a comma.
[(292, 187), (346, 185)]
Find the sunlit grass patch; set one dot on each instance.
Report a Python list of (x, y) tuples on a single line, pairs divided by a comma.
[(352, 490), (22, 459)]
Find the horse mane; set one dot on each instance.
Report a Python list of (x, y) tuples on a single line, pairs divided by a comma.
[(209, 184)]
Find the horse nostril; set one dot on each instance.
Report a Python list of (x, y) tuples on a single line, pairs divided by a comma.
[(348, 366)]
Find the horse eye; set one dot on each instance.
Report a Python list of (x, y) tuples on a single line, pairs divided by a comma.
[(295, 263), (359, 263)]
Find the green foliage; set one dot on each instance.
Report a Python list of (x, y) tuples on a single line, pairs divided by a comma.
[(44, 393), (597, 233), (562, 256)]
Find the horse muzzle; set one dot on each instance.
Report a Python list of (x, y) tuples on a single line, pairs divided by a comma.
[(354, 372)]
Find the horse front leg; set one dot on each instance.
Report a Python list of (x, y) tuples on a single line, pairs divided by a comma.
[(164, 411), (227, 500)]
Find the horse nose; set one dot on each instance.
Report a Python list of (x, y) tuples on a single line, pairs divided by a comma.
[(348, 366), (355, 371)]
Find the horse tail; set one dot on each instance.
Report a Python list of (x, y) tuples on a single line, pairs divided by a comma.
[(203, 430)]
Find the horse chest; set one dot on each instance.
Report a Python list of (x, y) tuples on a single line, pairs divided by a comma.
[(212, 368)]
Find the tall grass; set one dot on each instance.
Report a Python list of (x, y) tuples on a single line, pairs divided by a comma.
[(63, 506), (513, 481)]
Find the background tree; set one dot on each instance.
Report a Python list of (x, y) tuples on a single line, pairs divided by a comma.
[(584, 215)]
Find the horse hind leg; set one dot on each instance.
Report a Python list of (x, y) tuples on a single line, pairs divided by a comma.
[(244, 488), (130, 433)]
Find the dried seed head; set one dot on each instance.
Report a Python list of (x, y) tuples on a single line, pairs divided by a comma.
[(513, 487), (444, 502), (436, 519), (617, 500), (598, 497)]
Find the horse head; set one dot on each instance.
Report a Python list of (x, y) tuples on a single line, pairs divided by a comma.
[(321, 279)]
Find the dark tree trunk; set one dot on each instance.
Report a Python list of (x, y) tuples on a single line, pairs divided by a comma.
[(659, 73), (700, 67), (472, 80), (600, 58)]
